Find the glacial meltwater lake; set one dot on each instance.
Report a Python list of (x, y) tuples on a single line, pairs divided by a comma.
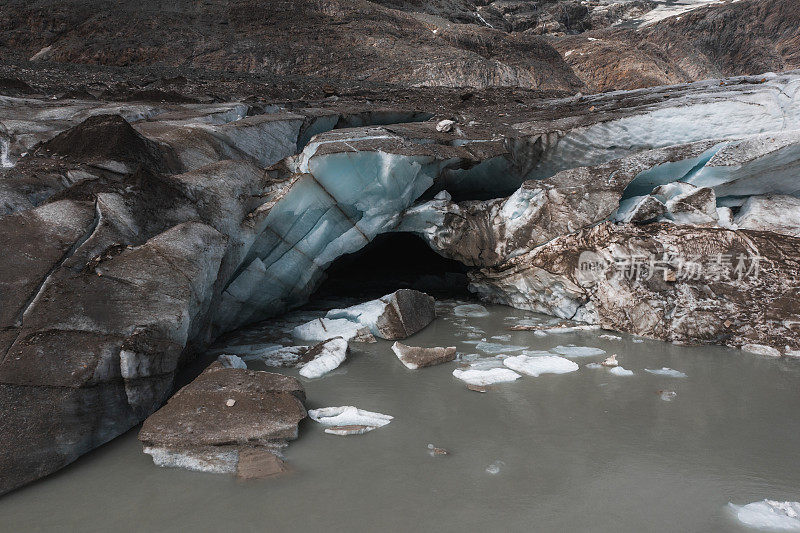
[(581, 451)]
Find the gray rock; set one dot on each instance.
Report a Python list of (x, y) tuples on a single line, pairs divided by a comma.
[(226, 420)]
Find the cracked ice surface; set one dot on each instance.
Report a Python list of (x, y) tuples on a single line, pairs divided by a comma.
[(773, 106)]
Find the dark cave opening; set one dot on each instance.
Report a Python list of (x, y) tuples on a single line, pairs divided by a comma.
[(393, 261)]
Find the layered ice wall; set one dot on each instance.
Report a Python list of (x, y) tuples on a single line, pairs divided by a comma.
[(681, 117), (337, 203)]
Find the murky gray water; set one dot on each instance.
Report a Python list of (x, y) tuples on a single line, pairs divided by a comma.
[(584, 451)]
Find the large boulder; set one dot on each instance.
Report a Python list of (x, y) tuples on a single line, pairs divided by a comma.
[(226, 420)]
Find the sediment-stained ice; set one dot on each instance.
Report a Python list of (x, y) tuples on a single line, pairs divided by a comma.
[(485, 377), (667, 372), (769, 514), (540, 364), (578, 351), (326, 357)]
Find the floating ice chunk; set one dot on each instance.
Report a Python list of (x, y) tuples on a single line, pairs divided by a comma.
[(471, 310), (667, 395), (485, 377), (231, 361), (593, 365), (349, 430), (504, 338), (638, 341), (495, 467), (540, 364), (326, 328), (769, 514), (619, 371), (486, 364), (668, 372), (578, 351), (326, 356), (609, 337), (495, 347), (347, 415)]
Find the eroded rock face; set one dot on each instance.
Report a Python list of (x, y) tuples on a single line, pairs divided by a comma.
[(227, 420), (708, 285)]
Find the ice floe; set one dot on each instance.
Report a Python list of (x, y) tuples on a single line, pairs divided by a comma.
[(668, 372), (578, 351), (769, 514), (325, 328), (496, 348), (472, 376), (348, 415), (619, 371), (667, 395), (325, 357), (540, 364), (495, 467), (471, 310), (609, 337)]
